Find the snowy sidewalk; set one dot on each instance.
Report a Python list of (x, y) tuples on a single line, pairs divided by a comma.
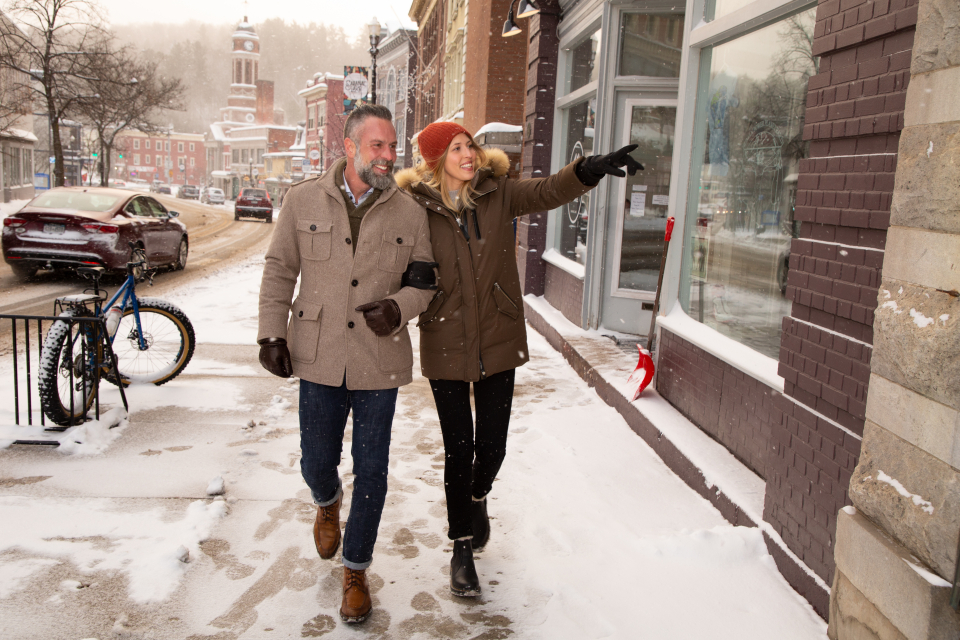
[(592, 535)]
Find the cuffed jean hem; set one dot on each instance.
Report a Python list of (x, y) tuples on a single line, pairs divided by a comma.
[(357, 566), (327, 503)]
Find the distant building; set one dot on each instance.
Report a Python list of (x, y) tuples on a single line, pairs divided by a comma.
[(250, 126), (396, 71), (325, 120), (17, 138), (168, 157)]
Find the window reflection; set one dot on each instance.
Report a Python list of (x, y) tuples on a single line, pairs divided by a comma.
[(582, 68), (650, 45), (747, 150), (578, 131)]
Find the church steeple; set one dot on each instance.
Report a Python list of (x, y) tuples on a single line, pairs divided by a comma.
[(245, 71)]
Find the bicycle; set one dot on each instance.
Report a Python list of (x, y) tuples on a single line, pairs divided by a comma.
[(150, 341)]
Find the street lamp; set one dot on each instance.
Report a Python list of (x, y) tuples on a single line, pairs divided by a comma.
[(526, 9), (374, 29)]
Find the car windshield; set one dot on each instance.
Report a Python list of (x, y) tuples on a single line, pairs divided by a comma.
[(216, 192), (255, 193), (79, 200)]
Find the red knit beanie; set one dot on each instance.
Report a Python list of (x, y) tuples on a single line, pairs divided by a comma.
[(435, 139)]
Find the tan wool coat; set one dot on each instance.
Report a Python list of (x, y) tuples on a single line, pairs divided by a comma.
[(328, 340), (474, 326)]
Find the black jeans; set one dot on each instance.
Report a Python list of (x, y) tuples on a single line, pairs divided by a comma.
[(472, 458)]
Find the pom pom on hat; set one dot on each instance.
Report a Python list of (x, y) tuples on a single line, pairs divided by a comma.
[(435, 139)]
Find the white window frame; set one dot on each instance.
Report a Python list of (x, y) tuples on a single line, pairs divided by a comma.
[(583, 28)]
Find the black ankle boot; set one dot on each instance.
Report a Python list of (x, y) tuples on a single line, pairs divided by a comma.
[(463, 575), (481, 524)]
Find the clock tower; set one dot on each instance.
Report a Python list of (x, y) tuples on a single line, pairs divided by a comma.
[(245, 71)]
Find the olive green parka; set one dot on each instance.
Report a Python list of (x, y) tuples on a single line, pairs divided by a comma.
[(474, 326)]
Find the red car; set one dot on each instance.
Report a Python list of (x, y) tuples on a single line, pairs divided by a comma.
[(92, 226), (253, 203)]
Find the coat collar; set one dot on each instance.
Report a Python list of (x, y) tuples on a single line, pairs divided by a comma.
[(328, 182), (484, 182)]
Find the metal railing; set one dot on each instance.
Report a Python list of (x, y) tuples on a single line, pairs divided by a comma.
[(27, 368)]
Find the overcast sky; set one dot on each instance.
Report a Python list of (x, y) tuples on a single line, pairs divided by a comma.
[(351, 16)]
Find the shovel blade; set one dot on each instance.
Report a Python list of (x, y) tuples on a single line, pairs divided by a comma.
[(643, 374)]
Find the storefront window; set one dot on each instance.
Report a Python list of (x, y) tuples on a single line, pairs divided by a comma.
[(747, 147), (650, 45), (713, 9), (582, 68), (27, 176), (579, 122)]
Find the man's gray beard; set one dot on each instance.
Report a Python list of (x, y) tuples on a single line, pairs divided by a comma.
[(370, 177)]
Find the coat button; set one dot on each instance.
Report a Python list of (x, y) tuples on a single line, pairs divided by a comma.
[(350, 324), (300, 315), (354, 283), (349, 241), (313, 227), (399, 240)]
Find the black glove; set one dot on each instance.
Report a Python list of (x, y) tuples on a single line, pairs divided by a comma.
[(275, 357), (382, 316), (420, 275), (592, 168)]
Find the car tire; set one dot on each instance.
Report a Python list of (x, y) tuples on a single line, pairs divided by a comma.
[(182, 252), (23, 271), (236, 216), (269, 218)]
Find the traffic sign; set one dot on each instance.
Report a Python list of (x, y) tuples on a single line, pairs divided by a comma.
[(182, 167), (256, 171), (314, 154)]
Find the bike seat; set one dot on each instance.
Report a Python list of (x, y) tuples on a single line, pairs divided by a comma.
[(96, 272)]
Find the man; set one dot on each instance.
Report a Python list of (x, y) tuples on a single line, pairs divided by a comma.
[(362, 251)]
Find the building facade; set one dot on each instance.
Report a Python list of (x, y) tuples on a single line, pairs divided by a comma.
[(771, 131), (324, 98), (18, 142), (169, 157), (431, 19), (250, 126), (396, 75)]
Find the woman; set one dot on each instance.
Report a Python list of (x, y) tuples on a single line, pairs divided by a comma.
[(473, 331)]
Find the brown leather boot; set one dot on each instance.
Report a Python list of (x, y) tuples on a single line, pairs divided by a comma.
[(356, 596), (326, 529)]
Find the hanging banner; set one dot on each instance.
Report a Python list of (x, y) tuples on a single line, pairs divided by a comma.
[(355, 87)]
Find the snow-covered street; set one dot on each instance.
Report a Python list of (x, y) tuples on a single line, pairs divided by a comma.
[(592, 535)]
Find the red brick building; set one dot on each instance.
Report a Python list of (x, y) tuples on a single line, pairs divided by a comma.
[(159, 157), (323, 97)]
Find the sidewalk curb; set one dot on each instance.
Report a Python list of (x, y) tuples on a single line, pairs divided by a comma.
[(680, 464)]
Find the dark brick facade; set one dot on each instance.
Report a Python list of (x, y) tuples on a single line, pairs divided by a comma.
[(564, 291), (735, 409), (853, 121), (541, 82)]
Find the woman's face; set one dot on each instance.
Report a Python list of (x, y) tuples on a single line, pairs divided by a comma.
[(460, 163)]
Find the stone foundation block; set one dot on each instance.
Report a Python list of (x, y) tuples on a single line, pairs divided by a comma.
[(914, 601), (927, 192), (853, 617)]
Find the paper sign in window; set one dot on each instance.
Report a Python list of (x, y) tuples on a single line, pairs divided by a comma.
[(638, 203)]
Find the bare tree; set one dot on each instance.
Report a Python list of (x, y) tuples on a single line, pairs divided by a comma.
[(16, 100), (123, 92), (49, 55)]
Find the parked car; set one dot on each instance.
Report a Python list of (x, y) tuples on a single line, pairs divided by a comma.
[(69, 227), (212, 195), (155, 186), (189, 192), (254, 203), (164, 188)]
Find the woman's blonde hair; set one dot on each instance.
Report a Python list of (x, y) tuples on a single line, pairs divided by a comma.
[(435, 179)]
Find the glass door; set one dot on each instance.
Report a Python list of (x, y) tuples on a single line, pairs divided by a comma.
[(639, 205)]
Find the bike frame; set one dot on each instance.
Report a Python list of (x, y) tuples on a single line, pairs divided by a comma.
[(128, 291)]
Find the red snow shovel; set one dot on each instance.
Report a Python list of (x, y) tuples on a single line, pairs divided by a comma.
[(643, 374)]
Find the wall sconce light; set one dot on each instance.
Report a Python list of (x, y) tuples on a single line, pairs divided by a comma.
[(527, 8)]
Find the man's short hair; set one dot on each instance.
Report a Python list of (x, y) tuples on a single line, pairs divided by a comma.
[(359, 115)]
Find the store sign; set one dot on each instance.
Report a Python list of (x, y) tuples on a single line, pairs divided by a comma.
[(355, 87)]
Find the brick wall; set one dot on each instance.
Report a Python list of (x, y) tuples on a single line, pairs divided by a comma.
[(541, 80), (735, 409), (853, 121), (564, 291)]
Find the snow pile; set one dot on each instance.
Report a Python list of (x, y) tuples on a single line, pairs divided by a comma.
[(278, 406), (90, 438), (12, 207), (143, 545), (215, 488)]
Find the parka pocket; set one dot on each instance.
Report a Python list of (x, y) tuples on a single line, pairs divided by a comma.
[(432, 309), (303, 334), (314, 239), (395, 250), (504, 304)]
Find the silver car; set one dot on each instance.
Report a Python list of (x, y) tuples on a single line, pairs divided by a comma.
[(212, 196)]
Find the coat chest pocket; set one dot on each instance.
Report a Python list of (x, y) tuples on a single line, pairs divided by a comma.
[(395, 250), (314, 239), (303, 335)]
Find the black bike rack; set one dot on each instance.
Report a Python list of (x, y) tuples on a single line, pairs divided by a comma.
[(98, 325)]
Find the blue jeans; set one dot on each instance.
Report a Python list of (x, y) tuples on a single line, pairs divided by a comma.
[(323, 418)]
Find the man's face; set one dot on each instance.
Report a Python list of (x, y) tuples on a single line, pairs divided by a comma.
[(373, 158)]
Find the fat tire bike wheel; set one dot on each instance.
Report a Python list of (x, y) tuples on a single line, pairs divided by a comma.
[(69, 352), (169, 338)]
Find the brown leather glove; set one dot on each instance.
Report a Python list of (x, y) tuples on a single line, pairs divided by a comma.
[(382, 316), (275, 357)]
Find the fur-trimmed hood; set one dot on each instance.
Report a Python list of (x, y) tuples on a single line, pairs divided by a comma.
[(496, 166)]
